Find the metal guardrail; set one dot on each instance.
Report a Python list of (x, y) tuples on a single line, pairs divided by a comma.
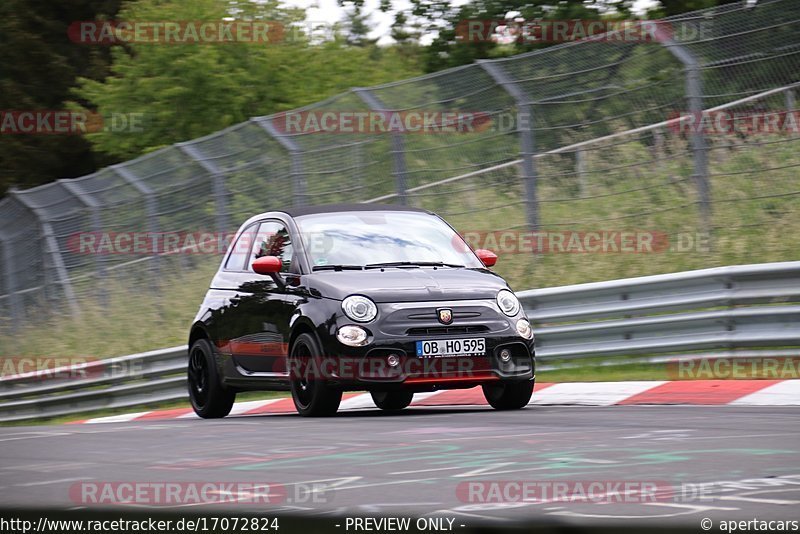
[(146, 378), (726, 310)]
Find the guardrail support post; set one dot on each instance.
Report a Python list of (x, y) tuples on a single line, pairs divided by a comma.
[(580, 170), (397, 143), (220, 191), (11, 283), (527, 143), (51, 250), (150, 205), (694, 98), (299, 194), (93, 207)]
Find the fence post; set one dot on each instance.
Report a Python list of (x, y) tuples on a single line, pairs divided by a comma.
[(790, 100), (11, 283), (398, 145), (694, 97), (150, 205), (51, 250), (358, 156), (220, 191), (527, 143), (580, 170), (299, 194), (92, 206)]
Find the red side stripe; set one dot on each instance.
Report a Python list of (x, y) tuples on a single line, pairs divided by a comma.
[(699, 392)]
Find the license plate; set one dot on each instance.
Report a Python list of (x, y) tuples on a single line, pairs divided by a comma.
[(441, 348)]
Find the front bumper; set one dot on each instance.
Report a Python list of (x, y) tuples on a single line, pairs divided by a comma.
[(395, 334), (373, 368)]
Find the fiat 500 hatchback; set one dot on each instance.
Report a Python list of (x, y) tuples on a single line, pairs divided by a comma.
[(327, 299)]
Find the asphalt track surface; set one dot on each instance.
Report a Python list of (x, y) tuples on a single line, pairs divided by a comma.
[(415, 463)]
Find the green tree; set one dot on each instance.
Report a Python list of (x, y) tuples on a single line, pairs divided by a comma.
[(187, 91), (441, 18), (357, 25), (667, 8), (38, 67)]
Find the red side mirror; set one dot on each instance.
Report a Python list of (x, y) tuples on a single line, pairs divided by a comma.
[(267, 265), (488, 257)]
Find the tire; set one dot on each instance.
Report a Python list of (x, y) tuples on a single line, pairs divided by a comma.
[(508, 395), (392, 401), (209, 398), (312, 395)]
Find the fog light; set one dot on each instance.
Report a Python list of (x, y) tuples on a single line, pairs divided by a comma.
[(393, 360), (352, 336), (524, 329), (505, 355)]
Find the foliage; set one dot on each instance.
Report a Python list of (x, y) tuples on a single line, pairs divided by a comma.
[(187, 91), (38, 67)]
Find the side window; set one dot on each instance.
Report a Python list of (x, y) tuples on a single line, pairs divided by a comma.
[(240, 250), (273, 239)]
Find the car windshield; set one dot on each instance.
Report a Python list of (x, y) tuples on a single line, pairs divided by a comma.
[(382, 238)]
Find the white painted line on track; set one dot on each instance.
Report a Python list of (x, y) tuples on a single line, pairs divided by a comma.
[(48, 482), (34, 435)]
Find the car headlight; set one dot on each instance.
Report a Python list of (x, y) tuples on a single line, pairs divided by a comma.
[(508, 302), (352, 335), (360, 309), (524, 329)]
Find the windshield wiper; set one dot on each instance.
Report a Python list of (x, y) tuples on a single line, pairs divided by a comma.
[(411, 264), (337, 268)]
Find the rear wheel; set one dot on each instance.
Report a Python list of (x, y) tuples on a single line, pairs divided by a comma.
[(209, 398), (508, 395), (392, 400), (312, 395)]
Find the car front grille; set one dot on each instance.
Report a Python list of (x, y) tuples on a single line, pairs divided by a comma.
[(447, 330)]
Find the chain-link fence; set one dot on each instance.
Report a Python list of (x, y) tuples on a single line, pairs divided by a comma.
[(583, 161)]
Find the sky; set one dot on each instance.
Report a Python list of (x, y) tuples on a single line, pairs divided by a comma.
[(328, 12)]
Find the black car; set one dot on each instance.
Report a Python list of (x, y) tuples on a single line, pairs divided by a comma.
[(326, 299)]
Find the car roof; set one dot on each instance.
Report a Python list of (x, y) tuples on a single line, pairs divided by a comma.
[(335, 208)]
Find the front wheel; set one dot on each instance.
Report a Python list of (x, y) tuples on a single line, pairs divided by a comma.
[(312, 395), (508, 395), (392, 400), (209, 398)]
